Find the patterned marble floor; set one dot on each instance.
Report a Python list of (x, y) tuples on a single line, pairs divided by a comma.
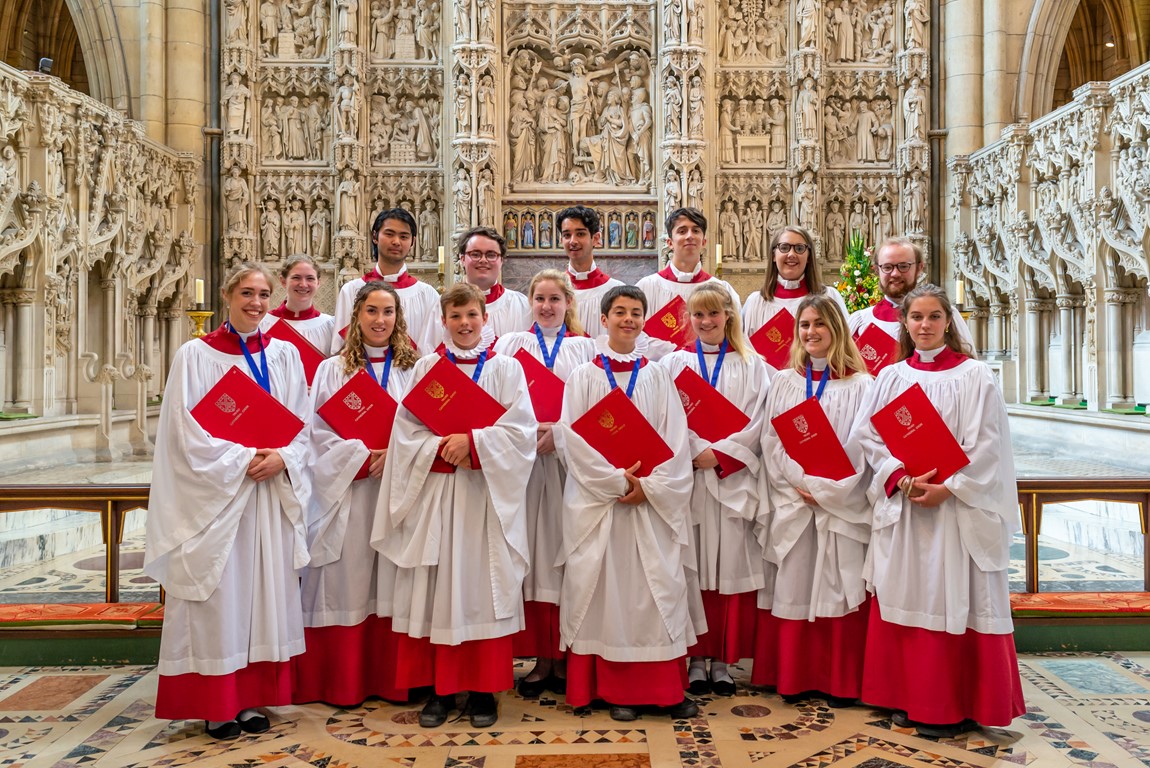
[(1084, 710)]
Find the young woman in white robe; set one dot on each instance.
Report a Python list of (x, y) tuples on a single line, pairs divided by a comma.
[(300, 279), (352, 652), (790, 276), (226, 529), (459, 539), (940, 644), (624, 603), (819, 527), (725, 496), (556, 340)]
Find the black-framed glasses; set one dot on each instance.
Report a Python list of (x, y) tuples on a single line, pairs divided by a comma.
[(903, 267), (799, 248), (483, 255)]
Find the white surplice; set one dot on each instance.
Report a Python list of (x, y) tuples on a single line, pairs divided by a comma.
[(757, 311), (818, 550), (346, 580), (509, 313), (460, 539), (944, 568), (317, 330), (224, 547), (545, 486), (659, 290), (625, 588), (421, 312), (724, 510), (588, 305)]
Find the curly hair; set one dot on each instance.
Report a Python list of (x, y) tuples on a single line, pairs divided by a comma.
[(403, 352)]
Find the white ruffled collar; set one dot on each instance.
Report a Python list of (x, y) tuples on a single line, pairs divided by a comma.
[(486, 339), (604, 348)]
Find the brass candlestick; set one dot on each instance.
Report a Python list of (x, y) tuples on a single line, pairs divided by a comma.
[(199, 317)]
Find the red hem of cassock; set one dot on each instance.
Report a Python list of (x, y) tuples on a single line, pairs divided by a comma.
[(765, 670), (540, 636), (625, 683), (822, 655), (730, 634), (193, 696), (485, 666), (347, 665), (937, 677)]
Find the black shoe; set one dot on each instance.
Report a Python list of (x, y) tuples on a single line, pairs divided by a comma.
[(723, 687), (900, 720), (699, 687), (530, 689), (557, 684), (947, 731), (226, 732), (583, 711), (684, 710), (840, 702), (257, 724), (624, 714), (434, 712), (794, 698), (482, 710)]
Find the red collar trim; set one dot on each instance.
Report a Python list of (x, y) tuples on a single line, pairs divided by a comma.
[(700, 277), (284, 313), (441, 350), (406, 280), (223, 340), (619, 366), (943, 361), (782, 292), (497, 291), (595, 278), (885, 311), (818, 375)]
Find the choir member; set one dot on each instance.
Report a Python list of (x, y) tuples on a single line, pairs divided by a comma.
[(482, 252), (557, 341), (226, 529), (792, 273), (623, 605), (392, 235), (814, 619), (352, 652), (580, 234), (940, 648), (459, 538), (300, 279), (725, 498)]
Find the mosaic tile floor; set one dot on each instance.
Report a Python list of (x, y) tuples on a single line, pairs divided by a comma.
[(1089, 710)]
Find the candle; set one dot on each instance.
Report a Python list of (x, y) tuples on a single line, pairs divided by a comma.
[(718, 255), (199, 290), (959, 292), (441, 259)]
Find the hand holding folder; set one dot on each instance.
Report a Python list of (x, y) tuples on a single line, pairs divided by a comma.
[(709, 415), (238, 410), (916, 435), (622, 435)]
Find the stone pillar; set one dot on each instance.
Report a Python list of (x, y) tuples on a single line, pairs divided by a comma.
[(996, 343), (153, 82), (1116, 394), (147, 346), (186, 84), (977, 323), (1035, 350), (962, 20), (1001, 51), (1066, 304), (24, 357)]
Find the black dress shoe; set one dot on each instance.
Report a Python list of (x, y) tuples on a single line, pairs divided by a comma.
[(482, 710), (583, 711), (947, 731), (794, 698), (840, 702), (624, 714), (723, 687), (699, 687), (257, 724), (900, 720), (226, 732), (684, 710), (434, 712), (557, 684), (530, 689)]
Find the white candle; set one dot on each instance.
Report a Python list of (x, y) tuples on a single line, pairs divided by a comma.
[(718, 255), (199, 290), (959, 292)]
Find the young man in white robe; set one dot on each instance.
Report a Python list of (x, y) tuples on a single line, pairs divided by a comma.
[(580, 234), (482, 252), (624, 603), (392, 235), (459, 539)]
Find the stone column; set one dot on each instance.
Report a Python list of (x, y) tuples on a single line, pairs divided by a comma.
[(186, 101), (1066, 304), (977, 323), (7, 352), (996, 343), (962, 20), (24, 357), (153, 76), (1001, 51), (1035, 350), (147, 346), (1117, 395)]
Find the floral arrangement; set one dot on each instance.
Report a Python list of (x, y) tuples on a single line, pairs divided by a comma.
[(859, 284)]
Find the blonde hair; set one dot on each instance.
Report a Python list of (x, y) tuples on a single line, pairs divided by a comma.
[(570, 317), (296, 260), (810, 273), (843, 357), (949, 335), (462, 294), (713, 298), (403, 354), (239, 272)]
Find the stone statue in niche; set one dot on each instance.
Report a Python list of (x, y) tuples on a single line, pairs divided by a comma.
[(776, 219), (730, 230), (672, 20), (347, 199), (727, 131), (835, 226), (808, 108), (805, 15), (511, 230), (318, 122), (293, 122), (463, 104), (544, 230), (695, 188), (427, 30), (834, 131), (857, 221), (673, 104), (805, 201), (884, 131), (778, 123), (235, 21), (381, 31), (347, 105), (695, 108), (236, 197), (272, 138), (915, 16), (485, 192), (866, 126), (429, 228), (270, 222), (461, 191), (554, 150), (883, 222), (237, 97), (913, 109), (346, 17), (631, 231), (695, 11), (642, 123), (320, 18), (672, 189), (319, 223), (915, 196), (528, 237), (269, 26), (486, 20), (522, 135), (841, 30), (754, 221), (879, 23), (648, 231), (295, 228), (486, 106)]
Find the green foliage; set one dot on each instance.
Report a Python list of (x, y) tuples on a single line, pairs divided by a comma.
[(859, 284)]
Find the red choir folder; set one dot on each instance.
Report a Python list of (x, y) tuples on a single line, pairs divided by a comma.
[(773, 340), (545, 388), (709, 415), (877, 348), (621, 434), (808, 438), (449, 402), (672, 324), (310, 356), (361, 410), (238, 410), (918, 437)]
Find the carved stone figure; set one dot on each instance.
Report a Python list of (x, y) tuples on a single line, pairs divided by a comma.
[(835, 227), (486, 105), (269, 26), (347, 105), (915, 196), (270, 221), (485, 193), (427, 30), (294, 129), (429, 231), (805, 15), (316, 116), (808, 108), (463, 104), (404, 44), (695, 108), (776, 219), (673, 104), (237, 97), (835, 133), (320, 19), (866, 126), (522, 135), (730, 230), (754, 222), (672, 190), (883, 222), (272, 138), (553, 154), (695, 11), (672, 20), (382, 32), (727, 132), (236, 196), (461, 191), (695, 188), (486, 20), (347, 196), (319, 223), (346, 22), (841, 29), (235, 21), (805, 201), (642, 123), (916, 15), (913, 107), (884, 132), (778, 122)]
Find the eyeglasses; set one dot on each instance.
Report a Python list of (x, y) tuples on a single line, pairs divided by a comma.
[(483, 255), (903, 267), (799, 248)]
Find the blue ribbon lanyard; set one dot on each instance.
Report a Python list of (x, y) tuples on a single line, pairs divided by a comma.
[(822, 383), (549, 357), (713, 380), (478, 364), (260, 372), (382, 380), (611, 375)]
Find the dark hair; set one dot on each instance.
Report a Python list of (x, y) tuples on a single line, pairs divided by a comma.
[(624, 292), (399, 214), (810, 274), (694, 215), (461, 241), (584, 214), (949, 336)]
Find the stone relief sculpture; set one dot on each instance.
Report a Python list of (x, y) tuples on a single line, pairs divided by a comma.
[(805, 14), (270, 230), (236, 197), (295, 228), (235, 21), (913, 109), (346, 14), (730, 230), (835, 228), (348, 195), (430, 226), (754, 221), (319, 226), (752, 32), (237, 100), (347, 106), (866, 128), (915, 16)]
